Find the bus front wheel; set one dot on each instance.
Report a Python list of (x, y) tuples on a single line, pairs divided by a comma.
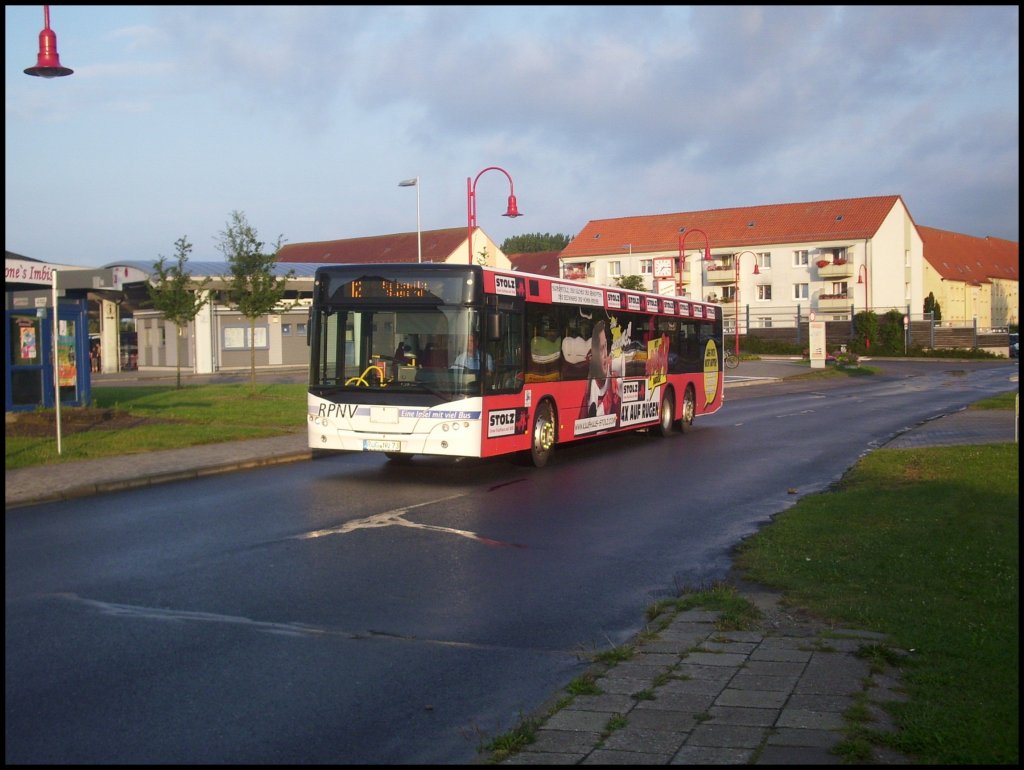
[(689, 411), (542, 438)]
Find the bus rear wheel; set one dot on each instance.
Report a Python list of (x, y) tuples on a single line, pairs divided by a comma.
[(542, 437), (689, 411)]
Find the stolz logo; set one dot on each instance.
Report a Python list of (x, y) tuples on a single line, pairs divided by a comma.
[(504, 284), (634, 390), (506, 422)]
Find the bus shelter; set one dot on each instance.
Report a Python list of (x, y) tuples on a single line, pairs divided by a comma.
[(46, 314)]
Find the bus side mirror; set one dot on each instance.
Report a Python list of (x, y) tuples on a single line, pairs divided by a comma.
[(494, 327)]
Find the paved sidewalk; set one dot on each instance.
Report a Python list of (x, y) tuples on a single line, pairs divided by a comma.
[(61, 481), (693, 695)]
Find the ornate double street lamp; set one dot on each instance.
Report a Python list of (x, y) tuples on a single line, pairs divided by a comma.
[(736, 268), (513, 209), (682, 256), (48, 60)]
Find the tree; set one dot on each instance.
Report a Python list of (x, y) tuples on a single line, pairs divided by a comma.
[(931, 306), (635, 282), (865, 329), (173, 292), (891, 333), (531, 242), (252, 288)]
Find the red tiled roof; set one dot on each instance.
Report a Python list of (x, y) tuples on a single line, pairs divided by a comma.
[(959, 257), (438, 245), (536, 262), (850, 218)]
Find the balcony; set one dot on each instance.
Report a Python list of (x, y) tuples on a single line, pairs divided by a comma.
[(719, 274), (838, 269), (834, 302), (576, 272)]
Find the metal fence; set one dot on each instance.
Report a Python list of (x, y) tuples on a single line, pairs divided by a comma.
[(789, 324)]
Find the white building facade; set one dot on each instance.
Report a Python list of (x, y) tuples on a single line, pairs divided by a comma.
[(829, 258)]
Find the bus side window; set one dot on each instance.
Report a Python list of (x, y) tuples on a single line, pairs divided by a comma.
[(507, 355)]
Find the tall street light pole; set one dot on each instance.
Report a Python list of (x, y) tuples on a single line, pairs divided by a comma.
[(682, 257), (415, 182), (48, 60), (736, 268), (512, 211)]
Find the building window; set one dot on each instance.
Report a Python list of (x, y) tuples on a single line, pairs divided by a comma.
[(800, 291), (764, 260), (237, 337), (839, 287), (646, 266), (801, 258), (765, 323), (615, 268), (286, 330), (728, 294), (300, 330), (764, 292)]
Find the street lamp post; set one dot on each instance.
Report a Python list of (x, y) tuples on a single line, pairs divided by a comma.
[(682, 257), (512, 211), (736, 268), (48, 60), (862, 277), (415, 182)]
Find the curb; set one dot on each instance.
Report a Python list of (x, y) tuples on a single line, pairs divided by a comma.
[(153, 479)]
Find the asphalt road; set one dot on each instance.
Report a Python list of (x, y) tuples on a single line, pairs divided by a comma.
[(354, 611)]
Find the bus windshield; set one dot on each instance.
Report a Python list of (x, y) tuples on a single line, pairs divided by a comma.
[(406, 349)]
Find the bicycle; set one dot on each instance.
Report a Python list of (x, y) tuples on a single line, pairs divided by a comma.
[(731, 360)]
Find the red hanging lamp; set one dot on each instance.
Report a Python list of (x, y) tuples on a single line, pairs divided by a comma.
[(48, 61)]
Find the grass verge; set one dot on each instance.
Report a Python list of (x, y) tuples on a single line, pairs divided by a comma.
[(164, 418), (922, 545)]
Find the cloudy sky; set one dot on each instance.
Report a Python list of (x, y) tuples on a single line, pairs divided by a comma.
[(307, 118)]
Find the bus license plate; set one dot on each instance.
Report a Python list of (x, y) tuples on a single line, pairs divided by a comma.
[(371, 445)]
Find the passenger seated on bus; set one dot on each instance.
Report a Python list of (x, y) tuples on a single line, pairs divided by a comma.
[(430, 358), (400, 358)]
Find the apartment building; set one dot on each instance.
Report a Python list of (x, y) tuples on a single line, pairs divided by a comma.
[(776, 265)]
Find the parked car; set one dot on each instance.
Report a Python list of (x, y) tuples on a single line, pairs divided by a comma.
[(1014, 345)]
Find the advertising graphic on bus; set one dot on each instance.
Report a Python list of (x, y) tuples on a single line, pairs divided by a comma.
[(470, 361)]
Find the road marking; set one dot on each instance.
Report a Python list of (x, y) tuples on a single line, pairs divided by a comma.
[(394, 518)]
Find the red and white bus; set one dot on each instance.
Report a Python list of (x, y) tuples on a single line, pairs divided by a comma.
[(470, 361)]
